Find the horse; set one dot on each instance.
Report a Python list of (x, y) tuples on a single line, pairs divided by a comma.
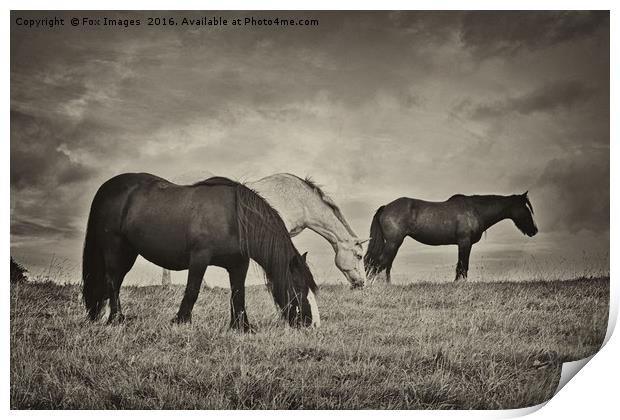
[(460, 220), (213, 222), (303, 204)]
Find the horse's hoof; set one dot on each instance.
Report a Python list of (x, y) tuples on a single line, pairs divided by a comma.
[(247, 329), (181, 319), (116, 319)]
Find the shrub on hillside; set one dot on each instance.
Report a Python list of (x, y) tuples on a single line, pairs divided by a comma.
[(18, 272)]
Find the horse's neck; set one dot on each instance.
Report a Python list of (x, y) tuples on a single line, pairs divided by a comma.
[(493, 211), (322, 220)]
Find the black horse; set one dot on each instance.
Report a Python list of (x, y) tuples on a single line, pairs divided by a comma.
[(217, 221), (460, 220)]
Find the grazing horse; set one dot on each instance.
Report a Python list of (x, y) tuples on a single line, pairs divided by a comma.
[(214, 222), (460, 220), (302, 204)]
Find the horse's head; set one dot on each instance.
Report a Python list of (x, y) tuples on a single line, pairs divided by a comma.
[(522, 214), (301, 309), (349, 259)]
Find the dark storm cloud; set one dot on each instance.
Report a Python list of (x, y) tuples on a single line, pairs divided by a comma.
[(364, 103), (497, 33), (37, 156), (47, 213), (28, 228), (579, 186), (558, 95), (506, 33)]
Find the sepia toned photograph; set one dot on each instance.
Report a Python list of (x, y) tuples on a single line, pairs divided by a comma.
[(318, 210)]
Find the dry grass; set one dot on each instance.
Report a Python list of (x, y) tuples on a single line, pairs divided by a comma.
[(422, 346)]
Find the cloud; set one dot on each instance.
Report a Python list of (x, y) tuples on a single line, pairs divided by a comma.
[(28, 228), (364, 104), (548, 98), (506, 33), (37, 158), (578, 188)]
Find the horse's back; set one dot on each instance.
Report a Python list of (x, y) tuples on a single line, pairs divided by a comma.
[(429, 222), (110, 201), (288, 195), (216, 181), (129, 180), (160, 204)]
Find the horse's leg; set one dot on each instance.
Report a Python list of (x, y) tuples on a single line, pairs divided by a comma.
[(238, 315), (197, 268), (466, 260), (119, 258), (389, 254), (463, 264), (116, 314)]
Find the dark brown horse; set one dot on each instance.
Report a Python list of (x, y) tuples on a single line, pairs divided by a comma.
[(460, 220), (214, 222)]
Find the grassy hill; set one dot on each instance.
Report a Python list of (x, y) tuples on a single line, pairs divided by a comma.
[(420, 346)]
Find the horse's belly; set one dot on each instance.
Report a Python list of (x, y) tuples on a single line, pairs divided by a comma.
[(158, 234), (171, 259), (433, 230), (160, 246), (433, 238)]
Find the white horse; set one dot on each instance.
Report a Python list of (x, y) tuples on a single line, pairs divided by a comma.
[(302, 204)]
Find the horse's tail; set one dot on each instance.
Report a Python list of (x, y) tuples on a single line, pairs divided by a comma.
[(264, 238), (93, 281), (372, 259)]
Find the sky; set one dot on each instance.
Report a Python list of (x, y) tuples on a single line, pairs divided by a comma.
[(373, 105)]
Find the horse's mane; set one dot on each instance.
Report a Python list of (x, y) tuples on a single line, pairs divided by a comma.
[(264, 238), (529, 204), (330, 203)]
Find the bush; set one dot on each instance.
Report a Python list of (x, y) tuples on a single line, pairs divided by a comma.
[(18, 272)]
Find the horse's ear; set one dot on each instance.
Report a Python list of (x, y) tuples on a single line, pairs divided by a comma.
[(298, 261), (525, 193)]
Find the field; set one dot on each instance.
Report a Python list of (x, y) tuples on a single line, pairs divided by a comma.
[(421, 346)]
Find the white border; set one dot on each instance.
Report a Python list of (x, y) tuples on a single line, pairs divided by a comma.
[(592, 394)]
